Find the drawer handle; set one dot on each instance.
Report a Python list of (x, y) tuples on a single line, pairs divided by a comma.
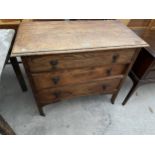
[(56, 95), (54, 63), (115, 57), (104, 86), (109, 71), (55, 80)]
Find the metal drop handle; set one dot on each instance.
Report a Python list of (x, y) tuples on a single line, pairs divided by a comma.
[(54, 63), (115, 57), (104, 86), (56, 79), (109, 71)]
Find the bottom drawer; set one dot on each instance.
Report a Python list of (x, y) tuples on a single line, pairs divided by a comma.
[(56, 94)]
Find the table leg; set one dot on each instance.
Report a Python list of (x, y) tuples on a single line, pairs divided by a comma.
[(114, 97), (41, 110), (132, 90), (18, 72)]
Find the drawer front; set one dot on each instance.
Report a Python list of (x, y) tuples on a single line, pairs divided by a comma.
[(74, 76), (56, 94), (86, 59)]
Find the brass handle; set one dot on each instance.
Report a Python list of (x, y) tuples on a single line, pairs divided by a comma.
[(109, 71), (115, 57), (56, 95), (54, 63), (55, 79)]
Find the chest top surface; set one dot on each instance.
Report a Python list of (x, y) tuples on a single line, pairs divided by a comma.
[(37, 38)]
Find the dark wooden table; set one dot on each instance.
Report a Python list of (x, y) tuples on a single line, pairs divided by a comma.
[(143, 70)]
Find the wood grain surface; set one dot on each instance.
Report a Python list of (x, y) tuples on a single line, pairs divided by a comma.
[(76, 76), (37, 38), (79, 60), (52, 95)]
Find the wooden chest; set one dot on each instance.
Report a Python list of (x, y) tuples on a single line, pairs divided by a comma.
[(67, 59)]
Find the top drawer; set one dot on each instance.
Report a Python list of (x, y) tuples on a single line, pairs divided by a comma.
[(78, 60)]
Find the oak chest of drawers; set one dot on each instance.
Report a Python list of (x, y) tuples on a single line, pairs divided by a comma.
[(67, 59)]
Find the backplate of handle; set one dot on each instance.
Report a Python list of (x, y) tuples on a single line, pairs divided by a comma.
[(115, 57), (54, 63), (56, 79), (105, 86), (109, 71)]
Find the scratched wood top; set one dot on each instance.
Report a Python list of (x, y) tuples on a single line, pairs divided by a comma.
[(51, 37)]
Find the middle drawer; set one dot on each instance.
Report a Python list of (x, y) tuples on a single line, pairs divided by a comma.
[(74, 76)]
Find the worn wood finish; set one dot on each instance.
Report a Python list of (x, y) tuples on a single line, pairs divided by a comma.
[(47, 96), (68, 59), (42, 87), (74, 76), (139, 22), (78, 60), (40, 38), (9, 23)]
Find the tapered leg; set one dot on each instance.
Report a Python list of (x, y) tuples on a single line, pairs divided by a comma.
[(5, 129), (18, 72), (134, 87), (41, 111), (114, 97)]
